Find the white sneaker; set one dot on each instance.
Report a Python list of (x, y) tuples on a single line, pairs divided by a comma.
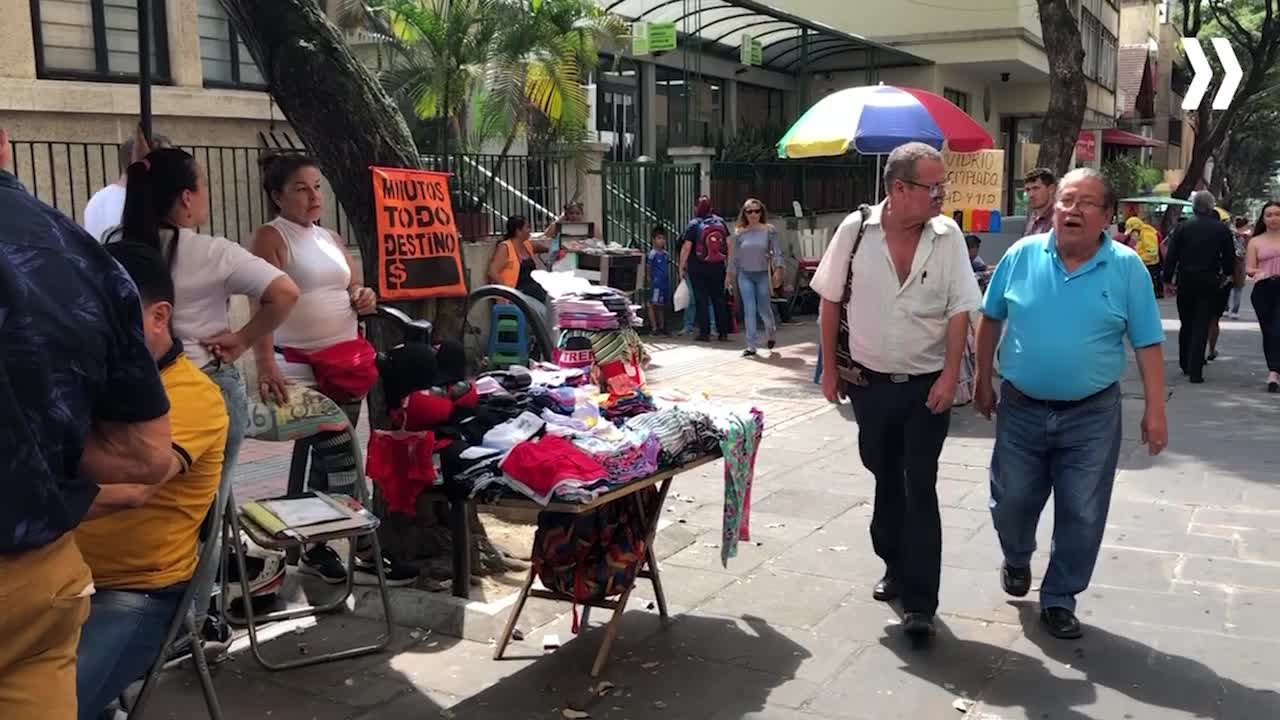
[(1235, 316)]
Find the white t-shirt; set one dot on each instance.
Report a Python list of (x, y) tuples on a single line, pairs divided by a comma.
[(899, 328), (207, 271), (104, 210)]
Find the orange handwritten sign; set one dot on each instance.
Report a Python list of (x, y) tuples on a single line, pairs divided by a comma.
[(419, 252)]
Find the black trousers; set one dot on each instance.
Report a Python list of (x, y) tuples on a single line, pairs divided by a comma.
[(1266, 303), (708, 291), (900, 440), (1198, 303)]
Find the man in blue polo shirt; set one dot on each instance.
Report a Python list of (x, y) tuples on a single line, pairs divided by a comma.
[(1068, 299)]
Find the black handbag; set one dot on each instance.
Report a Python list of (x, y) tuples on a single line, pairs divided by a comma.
[(847, 371)]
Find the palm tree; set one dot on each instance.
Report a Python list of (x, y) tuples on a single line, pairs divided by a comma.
[(483, 69)]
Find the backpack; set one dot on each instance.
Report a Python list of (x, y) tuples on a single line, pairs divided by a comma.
[(596, 555), (712, 242)]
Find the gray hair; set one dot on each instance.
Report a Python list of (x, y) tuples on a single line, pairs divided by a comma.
[(902, 162), (126, 148), (1203, 202), (1109, 198)]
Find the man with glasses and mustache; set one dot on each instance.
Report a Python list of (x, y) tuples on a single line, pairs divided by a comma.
[(911, 289), (1066, 301)]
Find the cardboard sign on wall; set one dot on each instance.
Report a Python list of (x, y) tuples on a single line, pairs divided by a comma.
[(419, 252), (975, 181)]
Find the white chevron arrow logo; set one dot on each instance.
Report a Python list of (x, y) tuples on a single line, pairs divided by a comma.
[(1203, 73), (1231, 78)]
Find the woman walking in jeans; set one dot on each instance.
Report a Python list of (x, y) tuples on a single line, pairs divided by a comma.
[(754, 257), (1263, 265)]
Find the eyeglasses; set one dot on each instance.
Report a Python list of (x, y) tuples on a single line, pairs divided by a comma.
[(1072, 203), (936, 190), (754, 211)]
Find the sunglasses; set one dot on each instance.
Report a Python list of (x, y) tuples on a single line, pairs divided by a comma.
[(754, 211)]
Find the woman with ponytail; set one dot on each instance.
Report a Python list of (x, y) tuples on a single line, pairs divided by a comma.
[(319, 344), (166, 199)]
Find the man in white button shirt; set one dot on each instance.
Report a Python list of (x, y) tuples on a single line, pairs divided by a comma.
[(912, 289), (105, 208)]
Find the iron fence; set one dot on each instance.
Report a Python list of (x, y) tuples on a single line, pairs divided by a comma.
[(486, 189), (640, 196), (819, 187)]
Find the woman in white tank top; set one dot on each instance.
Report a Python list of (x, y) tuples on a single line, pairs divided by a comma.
[(316, 259), (326, 314)]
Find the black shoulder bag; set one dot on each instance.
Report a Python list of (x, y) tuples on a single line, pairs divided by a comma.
[(844, 361)]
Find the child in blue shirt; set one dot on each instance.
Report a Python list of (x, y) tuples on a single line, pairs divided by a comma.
[(658, 266)]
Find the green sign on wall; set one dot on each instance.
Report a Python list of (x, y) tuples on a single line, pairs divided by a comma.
[(640, 38), (662, 36), (751, 52)]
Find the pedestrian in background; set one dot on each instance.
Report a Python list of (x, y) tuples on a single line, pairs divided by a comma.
[(1040, 185), (1066, 302), (106, 207), (1200, 262), (1145, 241), (81, 406), (1241, 233), (755, 259), (1263, 265), (904, 272), (704, 255), (658, 267)]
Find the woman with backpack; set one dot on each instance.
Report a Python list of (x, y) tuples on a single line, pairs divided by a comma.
[(320, 342), (754, 259), (704, 254)]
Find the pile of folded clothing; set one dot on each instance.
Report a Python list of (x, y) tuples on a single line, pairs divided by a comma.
[(595, 308)]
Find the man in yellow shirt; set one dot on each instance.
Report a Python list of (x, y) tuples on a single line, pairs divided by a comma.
[(140, 542), (1146, 242)]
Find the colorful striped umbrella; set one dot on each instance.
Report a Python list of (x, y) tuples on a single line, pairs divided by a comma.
[(875, 119)]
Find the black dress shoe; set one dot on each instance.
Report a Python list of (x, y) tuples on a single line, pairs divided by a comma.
[(1015, 581), (918, 625), (886, 590), (1197, 380), (1061, 623)]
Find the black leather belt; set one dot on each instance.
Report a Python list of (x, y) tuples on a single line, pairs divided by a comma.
[(1055, 405), (871, 376)]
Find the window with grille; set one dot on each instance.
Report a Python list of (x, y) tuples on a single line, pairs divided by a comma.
[(1099, 50), (957, 98), (96, 39), (223, 57)]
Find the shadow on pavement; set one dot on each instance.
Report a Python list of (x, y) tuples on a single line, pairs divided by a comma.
[(702, 668), (1100, 675)]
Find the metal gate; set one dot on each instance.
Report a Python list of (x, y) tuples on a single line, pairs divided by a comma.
[(640, 196)]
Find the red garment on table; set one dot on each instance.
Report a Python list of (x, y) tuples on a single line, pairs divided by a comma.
[(402, 465), (543, 464)]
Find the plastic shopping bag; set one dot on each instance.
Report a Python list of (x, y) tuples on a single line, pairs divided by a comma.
[(683, 296)]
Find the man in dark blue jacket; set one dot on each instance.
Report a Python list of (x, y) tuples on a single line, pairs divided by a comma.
[(81, 405)]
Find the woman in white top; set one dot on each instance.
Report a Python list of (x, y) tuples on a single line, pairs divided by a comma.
[(167, 197), (326, 315)]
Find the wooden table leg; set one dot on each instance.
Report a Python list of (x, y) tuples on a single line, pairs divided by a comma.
[(651, 558), (610, 634), (460, 511), (515, 616)]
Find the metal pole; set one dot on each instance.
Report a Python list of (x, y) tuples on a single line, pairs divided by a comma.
[(144, 66), (876, 180)]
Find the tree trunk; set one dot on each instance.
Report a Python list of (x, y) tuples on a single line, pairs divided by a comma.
[(1067, 94), (347, 122)]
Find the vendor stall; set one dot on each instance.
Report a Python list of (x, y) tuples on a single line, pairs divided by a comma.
[(584, 444)]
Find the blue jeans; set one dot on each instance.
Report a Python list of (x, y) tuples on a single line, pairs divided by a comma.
[(757, 299), (228, 380), (123, 636), (1070, 452)]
